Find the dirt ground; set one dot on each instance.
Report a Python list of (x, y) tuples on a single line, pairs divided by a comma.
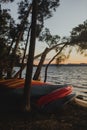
[(71, 117)]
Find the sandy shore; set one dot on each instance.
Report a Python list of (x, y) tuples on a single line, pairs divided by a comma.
[(71, 117)]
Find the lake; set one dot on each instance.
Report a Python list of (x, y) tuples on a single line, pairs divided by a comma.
[(73, 75)]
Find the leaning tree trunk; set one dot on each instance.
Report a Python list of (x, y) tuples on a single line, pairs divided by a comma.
[(43, 56), (20, 74), (27, 86), (52, 60), (38, 70)]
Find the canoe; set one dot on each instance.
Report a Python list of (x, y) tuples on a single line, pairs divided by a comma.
[(81, 102)]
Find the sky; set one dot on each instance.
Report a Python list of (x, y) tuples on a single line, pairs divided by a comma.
[(69, 14)]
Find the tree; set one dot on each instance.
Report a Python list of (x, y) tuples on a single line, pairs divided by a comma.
[(28, 78), (4, 1), (20, 36), (53, 43), (22, 63), (53, 59), (45, 9), (7, 30), (79, 37)]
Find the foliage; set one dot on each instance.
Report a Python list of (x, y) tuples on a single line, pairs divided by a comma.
[(46, 36), (17, 32), (79, 37), (8, 31), (45, 11), (5, 1)]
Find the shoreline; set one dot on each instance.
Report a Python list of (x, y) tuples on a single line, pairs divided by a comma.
[(71, 117)]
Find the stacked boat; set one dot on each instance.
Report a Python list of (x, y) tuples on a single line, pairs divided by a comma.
[(46, 96), (81, 101)]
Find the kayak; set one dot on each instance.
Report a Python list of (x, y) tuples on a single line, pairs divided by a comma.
[(81, 102), (43, 95), (59, 103), (17, 83), (38, 87), (54, 95), (56, 99)]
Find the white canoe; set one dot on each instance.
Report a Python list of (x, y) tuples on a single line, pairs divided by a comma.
[(81, 102)]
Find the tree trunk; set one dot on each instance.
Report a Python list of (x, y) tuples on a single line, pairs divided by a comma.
[(52, 60), (43, 56), (38, 70), (20, 74), (24, 65), (27, 86)]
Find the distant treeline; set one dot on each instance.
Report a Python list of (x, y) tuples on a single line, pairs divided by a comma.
[(81, 64)]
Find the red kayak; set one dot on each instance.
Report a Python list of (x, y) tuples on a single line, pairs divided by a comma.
[(54, 95)]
